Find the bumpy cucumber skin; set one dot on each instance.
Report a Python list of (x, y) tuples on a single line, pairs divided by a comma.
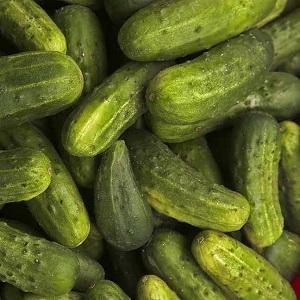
[(289, 168), (106, 290), (177, 190), (10, 292), (59, 210), (34, 264), (37, 84), (109, 110), (68, 296), (29, 27), (239, 270), (166, 30), (151, 287), (168, 256), (254, 170), (124, 216), (85, 42), (212, 83), (196, 154)]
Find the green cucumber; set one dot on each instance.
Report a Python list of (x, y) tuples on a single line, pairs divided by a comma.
[(59, 210), (85, 42), (109, 110), (168, 256), (151, 287), (177, 190), (239, 270), (10, 292), (25, 173), (290, 65), (37, 84), (254, 167), (289, 167), (124, 216), (67, 296), (166, 30), (34, 264), (29, 27), (93, 4)]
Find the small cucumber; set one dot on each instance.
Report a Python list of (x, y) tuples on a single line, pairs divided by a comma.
[(239, 270), (67, 296), (29, 27), (124, 216), (166, 30)]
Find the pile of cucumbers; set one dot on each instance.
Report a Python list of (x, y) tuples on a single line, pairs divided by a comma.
[(149, 149)]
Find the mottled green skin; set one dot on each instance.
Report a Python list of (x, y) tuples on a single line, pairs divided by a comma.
[(29, 27), (255, 155), (239, 270), (37, 84), (10, 292), (34, 264), (285, 33), (284, 255), (151, 287), (177, 190), (59, 210), (67, 296), (109, 110), (196, 154), (168, 256), (105, 290), (289, 168), (166, 30), (24, 174), (290, 65), (124, 216), (85, 42)]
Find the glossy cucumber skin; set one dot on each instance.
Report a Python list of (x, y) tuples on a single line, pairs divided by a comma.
[(109, 110), (67, 296), (29, 27), (60, 210), (85, 42), (124, 216), (151, 287), (166, 30), (177, 190), (34, 264), (289, 166), (36, 84), (168, 256)]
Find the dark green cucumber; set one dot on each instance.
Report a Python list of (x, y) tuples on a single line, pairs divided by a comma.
[(105, 290), (284, 255), (290, 65), (29, 27), (289, 168), (25, 173), (85, 42), (67, 296), (37, 84), (109, 110), (196, 154), (93, 4), (124, 216), (177, 190), (151, 287), (10, 292), (59, 210), (168, 256), (239, 270), (166, 30), (34, 264)]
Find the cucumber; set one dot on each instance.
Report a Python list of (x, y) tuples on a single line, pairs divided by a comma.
[(109, 110), (93, 4), (289, 166), (29, 27), (25, 173), (290, 65), (34, 264), (124, 216), (177, 190), (151, 287), (239, 270), (10, 292), (37, 84), (60, 210), (166, 30), (168, 256), (67, 296), (211, 83), (85, 42)]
